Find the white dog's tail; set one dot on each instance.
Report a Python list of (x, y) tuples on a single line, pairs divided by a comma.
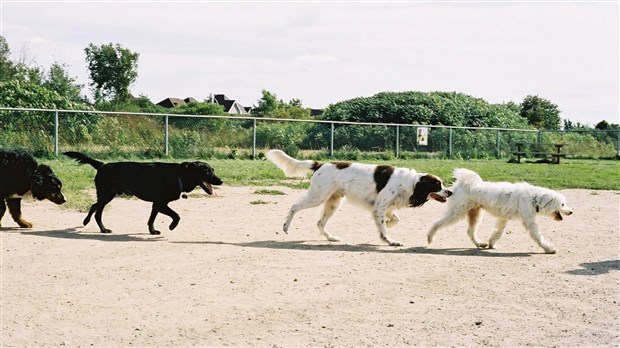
[(466, 177), (289, 165)]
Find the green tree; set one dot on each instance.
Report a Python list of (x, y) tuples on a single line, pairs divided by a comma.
[(7, 67), (540, 113), (113, 69), (434, 108), (11, 70), (58, 80), (270, 106), (267, 104), (604, 125), (570, 125)]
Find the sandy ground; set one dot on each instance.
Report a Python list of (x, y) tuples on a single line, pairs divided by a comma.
[(227, 276)]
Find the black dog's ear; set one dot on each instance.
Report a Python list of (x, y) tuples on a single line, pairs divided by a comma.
[(38, 181), (44, 170), (192, 165)]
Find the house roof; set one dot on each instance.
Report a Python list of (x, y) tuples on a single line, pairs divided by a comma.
[(230, 106), (176, 102), (316, 112), (171, 102)]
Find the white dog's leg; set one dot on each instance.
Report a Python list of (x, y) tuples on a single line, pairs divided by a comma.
[(532, 228), (500, 226), (381, 221), (474, 219), (329, 208), (309, 201), (392, 219), (450, 218)]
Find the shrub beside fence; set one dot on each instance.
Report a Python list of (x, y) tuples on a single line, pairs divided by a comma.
[(118, 134)]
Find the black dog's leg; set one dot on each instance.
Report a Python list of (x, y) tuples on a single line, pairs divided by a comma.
[(2, 209), (165, 209), (154, 212), (92, 210), (102, 200), (14, 205), (98, 214)]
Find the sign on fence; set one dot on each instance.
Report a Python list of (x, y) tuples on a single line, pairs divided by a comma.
[(422, 136)]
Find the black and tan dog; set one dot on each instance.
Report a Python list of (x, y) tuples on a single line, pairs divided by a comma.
[(20, 175), (155, 182)]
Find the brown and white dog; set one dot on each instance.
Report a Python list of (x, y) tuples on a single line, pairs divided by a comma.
[(379, 188)]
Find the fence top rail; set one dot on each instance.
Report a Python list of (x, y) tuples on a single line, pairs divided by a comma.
[(265, 119)]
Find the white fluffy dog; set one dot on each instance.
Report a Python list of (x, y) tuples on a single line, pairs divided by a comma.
[(506, 201)]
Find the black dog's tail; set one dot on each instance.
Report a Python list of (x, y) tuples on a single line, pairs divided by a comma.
[(83, 159)]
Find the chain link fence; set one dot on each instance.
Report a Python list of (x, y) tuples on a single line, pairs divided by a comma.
[(46, 132)]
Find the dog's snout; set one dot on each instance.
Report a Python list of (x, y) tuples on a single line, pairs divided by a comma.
[(57, 198), (448, 193)]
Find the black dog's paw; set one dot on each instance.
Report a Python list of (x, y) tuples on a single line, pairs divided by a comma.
[(154, 232), (105, 230), (173, 225)]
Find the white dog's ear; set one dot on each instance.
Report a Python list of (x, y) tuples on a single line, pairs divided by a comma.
[(547, 201), (540, 202)]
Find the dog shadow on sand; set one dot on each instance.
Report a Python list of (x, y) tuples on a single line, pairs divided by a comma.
[(75, 233), (596, 268), (304, 245)]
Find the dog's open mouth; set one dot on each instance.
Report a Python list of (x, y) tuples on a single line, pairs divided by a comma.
[(208, 188), (438, 198), (557, 216)]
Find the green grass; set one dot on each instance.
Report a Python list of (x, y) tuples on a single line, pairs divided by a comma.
[(269, 192), (570, 174), (259, 201)]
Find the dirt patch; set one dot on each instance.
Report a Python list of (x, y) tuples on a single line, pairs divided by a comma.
[(228, 276)]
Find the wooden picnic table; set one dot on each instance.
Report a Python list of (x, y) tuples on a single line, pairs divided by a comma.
[(521, 151)]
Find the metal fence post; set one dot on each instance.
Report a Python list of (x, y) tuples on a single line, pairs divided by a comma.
[(497, 151), (397, 141), (56, 133), (166, 135), (540, 136), (450, 142), (617, 144), (254, 140), (331, 142)]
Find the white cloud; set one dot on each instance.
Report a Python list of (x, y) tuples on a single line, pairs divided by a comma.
[(326, 52), (316, 58)]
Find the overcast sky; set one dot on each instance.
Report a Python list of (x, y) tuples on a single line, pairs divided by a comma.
[(325, 52)]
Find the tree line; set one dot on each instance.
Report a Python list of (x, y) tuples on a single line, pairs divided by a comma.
[(113, 69)]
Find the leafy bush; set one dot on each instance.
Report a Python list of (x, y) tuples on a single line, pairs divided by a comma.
[(433, 108), (38, 126)]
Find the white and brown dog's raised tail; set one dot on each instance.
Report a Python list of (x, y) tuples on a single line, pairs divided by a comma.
[(290, 166)]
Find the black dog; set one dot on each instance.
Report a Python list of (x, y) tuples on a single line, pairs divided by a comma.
[(155, 182), (20, 175)]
